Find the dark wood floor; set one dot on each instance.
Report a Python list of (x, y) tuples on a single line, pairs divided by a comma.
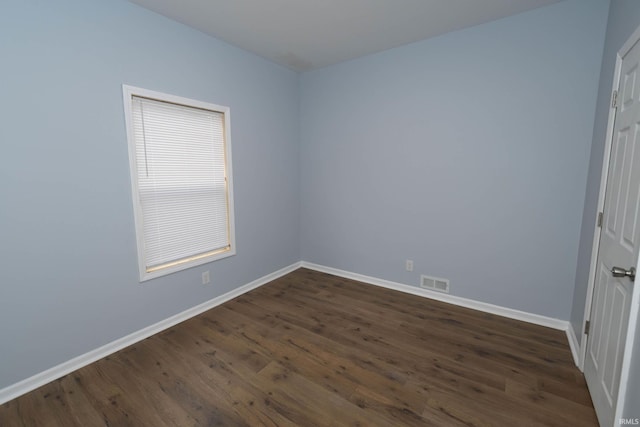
[(311, 349)]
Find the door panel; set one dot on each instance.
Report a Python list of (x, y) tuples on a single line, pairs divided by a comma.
[(619, 246)]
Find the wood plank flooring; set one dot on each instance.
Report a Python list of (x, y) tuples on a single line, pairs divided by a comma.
[(310, 349)]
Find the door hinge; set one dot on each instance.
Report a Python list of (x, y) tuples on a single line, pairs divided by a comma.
[(587, 326), (600, 218), (614, 99)]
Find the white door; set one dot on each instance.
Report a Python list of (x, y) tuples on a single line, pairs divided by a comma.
[(619, 248)]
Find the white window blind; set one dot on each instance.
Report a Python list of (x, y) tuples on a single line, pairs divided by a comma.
[(182, 186)]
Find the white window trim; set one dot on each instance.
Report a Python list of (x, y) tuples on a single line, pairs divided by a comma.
[(128, 93)]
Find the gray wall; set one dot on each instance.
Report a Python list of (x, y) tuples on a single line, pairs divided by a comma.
[(624, 18), (467, 153), (68, 272)]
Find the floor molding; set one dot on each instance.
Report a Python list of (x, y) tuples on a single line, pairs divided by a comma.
[(574, 345), (537, 319), (42, 378)]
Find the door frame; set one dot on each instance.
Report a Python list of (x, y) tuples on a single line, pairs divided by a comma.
[(633, 313)]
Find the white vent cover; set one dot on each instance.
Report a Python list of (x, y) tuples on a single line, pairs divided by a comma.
[(434, 283)]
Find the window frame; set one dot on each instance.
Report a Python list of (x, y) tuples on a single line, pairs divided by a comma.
[(188, 262)]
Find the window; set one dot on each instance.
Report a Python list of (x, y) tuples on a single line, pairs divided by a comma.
[(180, 160)]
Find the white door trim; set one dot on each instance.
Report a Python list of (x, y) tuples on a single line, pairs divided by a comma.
[(635, 299)]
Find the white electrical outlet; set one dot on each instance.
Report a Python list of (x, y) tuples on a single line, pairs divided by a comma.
[(408, 265), (205, 277)]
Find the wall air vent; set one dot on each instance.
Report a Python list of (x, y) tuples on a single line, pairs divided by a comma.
[(434, 283)]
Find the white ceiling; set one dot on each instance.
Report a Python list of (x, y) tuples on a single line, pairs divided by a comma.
[(308, 34)]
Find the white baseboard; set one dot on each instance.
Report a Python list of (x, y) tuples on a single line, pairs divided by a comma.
[(573, 344), (42, 378), (537, 319)]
